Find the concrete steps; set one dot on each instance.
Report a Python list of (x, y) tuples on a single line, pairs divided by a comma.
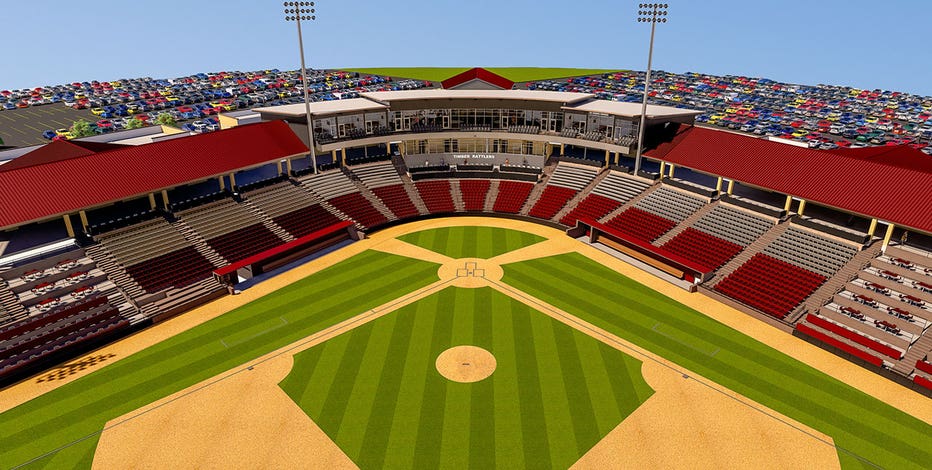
[(538, 189), (686, 223), (836, 283), (199, 244), (457, 195), (12, 307), (754, 248), (582, 194), (611, 215), (917, 351), (115, 272), (267, 221), (491, 196)]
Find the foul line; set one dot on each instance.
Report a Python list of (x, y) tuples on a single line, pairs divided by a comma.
[(341, 327), (580, 325)]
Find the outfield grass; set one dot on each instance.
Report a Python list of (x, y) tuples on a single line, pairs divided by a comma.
[(471, 242), (376, 392), (515, 74), (80, 409), (858, 423)]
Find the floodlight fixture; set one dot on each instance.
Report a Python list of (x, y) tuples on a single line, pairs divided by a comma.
[(652, 13), (298, 12)]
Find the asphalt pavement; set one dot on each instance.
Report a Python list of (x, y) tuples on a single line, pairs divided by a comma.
[(24, 126)]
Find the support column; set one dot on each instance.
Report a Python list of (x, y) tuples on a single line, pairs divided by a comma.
[(388, 147), (343, 155), (802, 206), (152, 201), (223, 184), (333, 156), (872, 229), (671, 170), (608, 156), (165, 197), (232, 180), (288, 167), (718, 184), (788, 203), (84, 223), (616, 158), (68, 227), (663, 168), (887, 236), (731, 186), (562, 148)]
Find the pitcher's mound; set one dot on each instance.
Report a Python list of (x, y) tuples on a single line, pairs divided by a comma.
[(466, 364)]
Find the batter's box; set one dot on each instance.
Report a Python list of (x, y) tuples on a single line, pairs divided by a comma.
[(462, 272), (479, 273)]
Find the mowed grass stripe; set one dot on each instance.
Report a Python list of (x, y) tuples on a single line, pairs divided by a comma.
[(83, 406), (856, 421), (576, 389), (355, 419), (530, 400), (338, 395), (471, 241), (602, 395), (427, 447), (381, 412), (455, 445), (482, 412), (407, 404), (562, 442), (509, 434)]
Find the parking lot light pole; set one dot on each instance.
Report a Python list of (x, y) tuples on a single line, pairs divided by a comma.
[(298, 12), (652, 13)]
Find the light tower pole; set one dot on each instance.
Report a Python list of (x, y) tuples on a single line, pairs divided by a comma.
[(298, 12), (652, 13)]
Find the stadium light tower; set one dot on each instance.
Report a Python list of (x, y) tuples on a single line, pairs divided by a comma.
[(298, 12), (652, 13)]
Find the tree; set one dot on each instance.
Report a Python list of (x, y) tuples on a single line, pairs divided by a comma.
[(135, 123), (166, 119), (81, 128)]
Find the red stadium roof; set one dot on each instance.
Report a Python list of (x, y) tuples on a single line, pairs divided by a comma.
[(477, 73), (893, 184), (64, 178)]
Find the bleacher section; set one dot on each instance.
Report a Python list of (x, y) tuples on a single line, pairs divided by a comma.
[(230, 229), (640, 224), (613, 191), (565, 182), (337, 190), (377, 174), (155, 255), (656, 214), (511, 196), (397, 200), (786, 272), (770, 285), (436, 195), (718, 236), (292, 208), (474, 194)]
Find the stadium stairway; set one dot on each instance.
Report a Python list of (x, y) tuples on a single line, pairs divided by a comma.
[(267, 221), (491, 195), (413, 194), (686, 223), (199, 243), (11, 306), (457, 195), (370, 196), (538, 189), (631, 202), (754, 248), (836, 283), (919, 350), (115, 271), (582, 194)]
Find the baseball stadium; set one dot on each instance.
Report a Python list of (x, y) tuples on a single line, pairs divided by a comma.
[(468, 273)]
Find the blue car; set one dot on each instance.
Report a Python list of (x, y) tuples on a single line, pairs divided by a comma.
[(49, 134)]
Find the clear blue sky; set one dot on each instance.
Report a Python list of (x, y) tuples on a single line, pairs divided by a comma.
[(861, 43)]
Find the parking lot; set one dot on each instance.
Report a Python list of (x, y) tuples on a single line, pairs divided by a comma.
[(23, 127)]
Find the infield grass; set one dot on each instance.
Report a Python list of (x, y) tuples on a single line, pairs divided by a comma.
[(471, 242), (79, 409), (867, 431), (515, 74), (376, 392)]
